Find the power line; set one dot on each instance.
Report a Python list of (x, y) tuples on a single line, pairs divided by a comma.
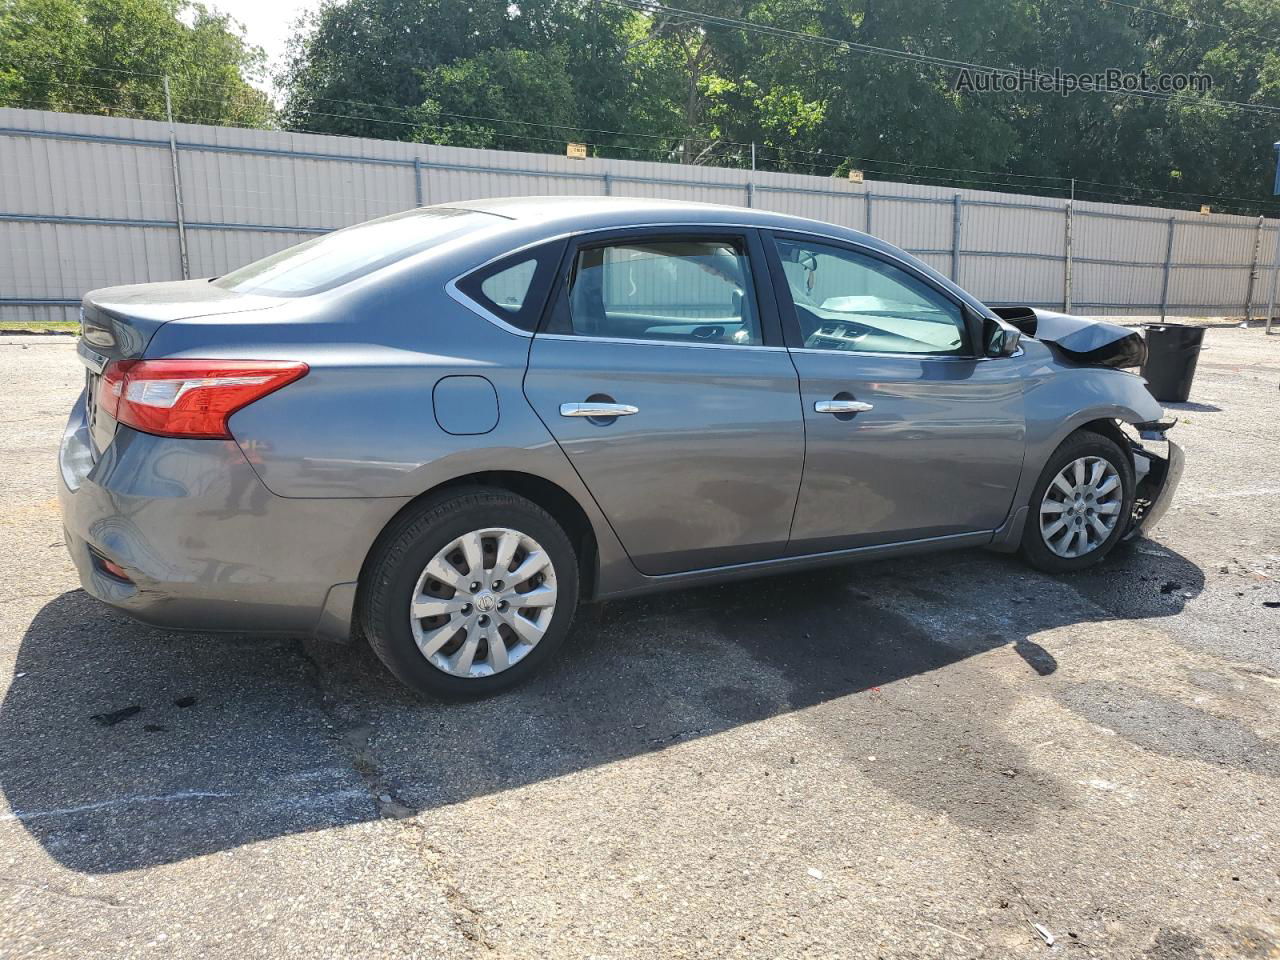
[(833, 160), (784, 154), (851, 46), (928, 179), (1189, 21)]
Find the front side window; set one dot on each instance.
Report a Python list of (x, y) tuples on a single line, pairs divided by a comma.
[(850, 301), (342, 256), (691, 291)]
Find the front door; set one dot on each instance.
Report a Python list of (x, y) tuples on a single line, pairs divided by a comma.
[(911, 435), (660, 372)]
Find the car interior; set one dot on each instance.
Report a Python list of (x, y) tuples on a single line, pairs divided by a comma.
[(682, 290), (848, 301)]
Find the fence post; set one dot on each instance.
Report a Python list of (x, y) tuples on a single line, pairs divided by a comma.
[(177, 185), (868, 196), (955, 239), (417, 180), (1168, 264), (1275, 271), (1066, 273), (608, 184), (1253, 273), (751, 194)]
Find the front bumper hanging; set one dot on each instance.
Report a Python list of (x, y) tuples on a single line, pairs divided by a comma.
[(1157, 477)]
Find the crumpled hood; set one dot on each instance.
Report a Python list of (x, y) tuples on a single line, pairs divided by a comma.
[(1082, 340)]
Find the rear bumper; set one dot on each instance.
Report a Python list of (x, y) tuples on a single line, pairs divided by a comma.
[(1156, 488), (205, 544)]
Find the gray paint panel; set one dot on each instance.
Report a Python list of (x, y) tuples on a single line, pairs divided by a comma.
[(706, 471), (465, 406)]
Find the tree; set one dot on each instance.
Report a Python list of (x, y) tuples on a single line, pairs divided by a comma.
[(504, 88), (110, 56), (699, 81), (357, 67)]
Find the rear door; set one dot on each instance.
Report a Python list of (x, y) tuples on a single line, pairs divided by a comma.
[(661, 373), (911, 434)]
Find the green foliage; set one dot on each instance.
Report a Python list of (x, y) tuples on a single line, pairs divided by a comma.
[(109, 57), (663, 85), (506, 88)]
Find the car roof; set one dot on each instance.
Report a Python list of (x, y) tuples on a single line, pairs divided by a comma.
[(602, 212), (555, 216)]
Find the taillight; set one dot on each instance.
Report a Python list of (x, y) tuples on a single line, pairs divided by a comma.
[(188, 398)]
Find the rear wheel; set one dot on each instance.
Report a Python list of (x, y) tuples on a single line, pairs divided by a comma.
[(1080, 506), (470, 594)]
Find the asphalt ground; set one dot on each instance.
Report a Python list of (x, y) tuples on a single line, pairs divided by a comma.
[(950, 756)]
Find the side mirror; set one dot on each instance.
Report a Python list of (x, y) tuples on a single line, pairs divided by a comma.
[(1001, 340)]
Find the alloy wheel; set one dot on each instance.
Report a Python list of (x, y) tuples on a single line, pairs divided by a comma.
[(483, 602), (1081, 507)]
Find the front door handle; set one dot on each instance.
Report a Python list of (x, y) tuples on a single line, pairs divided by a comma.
[(841, 406), (597, 410)]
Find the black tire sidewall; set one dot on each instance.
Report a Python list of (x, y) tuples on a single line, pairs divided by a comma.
[(1083, 443), (417, 539)]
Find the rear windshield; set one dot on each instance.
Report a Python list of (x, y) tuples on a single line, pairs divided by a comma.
[(342, 256)]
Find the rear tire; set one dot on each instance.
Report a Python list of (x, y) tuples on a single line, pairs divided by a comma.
[(469, 593), (1080, 506)]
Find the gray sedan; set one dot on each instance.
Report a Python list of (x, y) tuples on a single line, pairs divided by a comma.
[(445, 429)]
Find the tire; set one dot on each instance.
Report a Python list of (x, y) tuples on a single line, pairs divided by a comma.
[(1039, 551), (397, 577)]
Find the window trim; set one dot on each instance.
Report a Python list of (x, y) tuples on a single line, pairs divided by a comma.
[(749, 238), (466, 289), (791, 323)]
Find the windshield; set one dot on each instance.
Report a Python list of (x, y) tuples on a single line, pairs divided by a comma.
[(339, 257)]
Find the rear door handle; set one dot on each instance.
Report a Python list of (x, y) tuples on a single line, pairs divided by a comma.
[(597, 410), (841, 406)]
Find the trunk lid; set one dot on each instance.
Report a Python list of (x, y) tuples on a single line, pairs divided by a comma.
[(117, 323)]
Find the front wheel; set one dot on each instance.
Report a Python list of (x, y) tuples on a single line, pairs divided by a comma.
[(470, 593), (1080, 506)]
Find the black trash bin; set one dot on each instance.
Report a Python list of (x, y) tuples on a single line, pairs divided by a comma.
[(1172, 352)]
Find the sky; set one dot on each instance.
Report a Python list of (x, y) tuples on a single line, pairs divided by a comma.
[(268, 24)]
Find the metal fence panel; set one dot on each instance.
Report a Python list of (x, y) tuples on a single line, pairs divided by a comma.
[(918, 227), (88, 201), (1036, 282), (1000, 229), (1118, 286), (59, 261), (214, 252)]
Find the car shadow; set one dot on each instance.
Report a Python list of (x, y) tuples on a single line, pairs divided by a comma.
[(124, 747), (1191, 406)]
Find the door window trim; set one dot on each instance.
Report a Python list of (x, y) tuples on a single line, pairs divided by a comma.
[(757, 263), (791, 323)]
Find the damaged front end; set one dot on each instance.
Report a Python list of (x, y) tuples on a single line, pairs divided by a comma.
[(1095, 343), (1156, 477), (1077, 339)]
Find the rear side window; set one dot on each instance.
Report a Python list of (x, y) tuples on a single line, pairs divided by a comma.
[(515, 288), (509, 288), (342, 256)]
